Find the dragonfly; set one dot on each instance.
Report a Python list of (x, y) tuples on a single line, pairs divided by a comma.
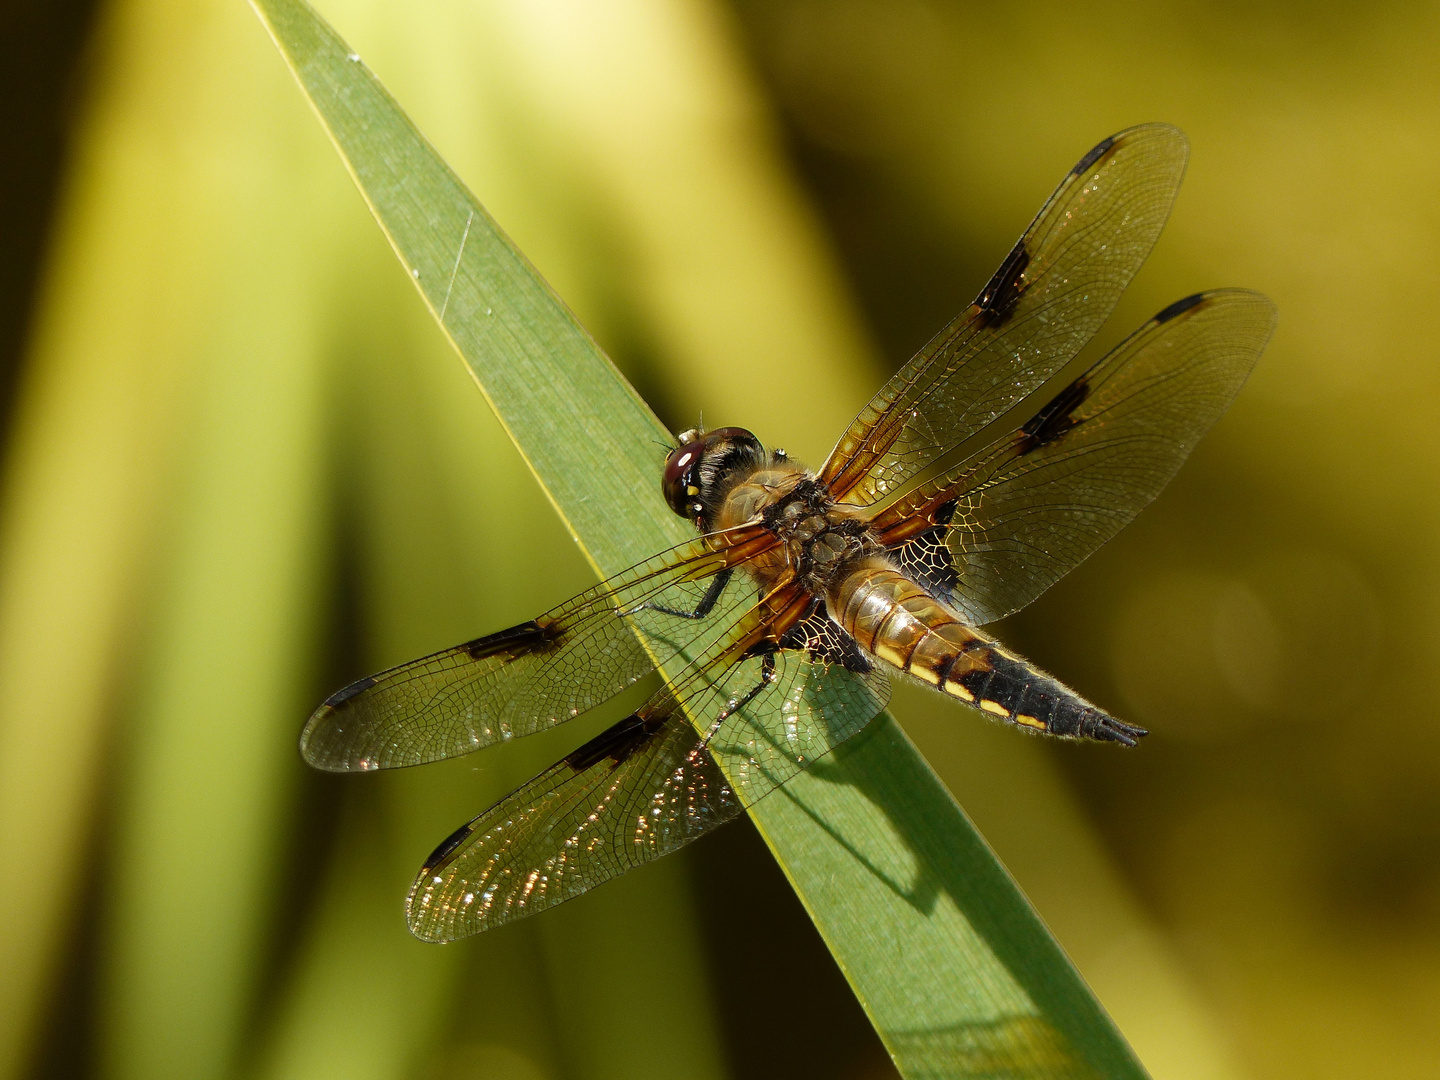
[(781, 624)]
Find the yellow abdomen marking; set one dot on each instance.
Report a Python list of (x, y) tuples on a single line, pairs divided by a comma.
[(959, 691)]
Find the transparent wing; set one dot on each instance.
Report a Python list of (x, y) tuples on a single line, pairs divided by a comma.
[(1053, 291), (540, 673), (651, 783), (995, 533)]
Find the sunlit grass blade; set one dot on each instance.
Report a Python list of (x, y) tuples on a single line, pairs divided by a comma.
[(79, 491), (946, 956), (224, 654), (137, 366)]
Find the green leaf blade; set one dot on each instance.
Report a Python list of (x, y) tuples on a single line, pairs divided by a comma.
[(531, 358), (947, 957)]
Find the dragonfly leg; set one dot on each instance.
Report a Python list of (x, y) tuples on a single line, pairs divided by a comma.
[(707, 602), (767, 676)]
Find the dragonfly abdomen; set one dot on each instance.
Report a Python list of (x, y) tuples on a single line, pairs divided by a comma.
[(897, 620)]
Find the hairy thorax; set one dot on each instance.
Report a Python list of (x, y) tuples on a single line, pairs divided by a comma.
[(820, 540)]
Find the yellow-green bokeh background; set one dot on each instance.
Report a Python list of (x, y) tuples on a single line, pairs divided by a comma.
[(242, 467)]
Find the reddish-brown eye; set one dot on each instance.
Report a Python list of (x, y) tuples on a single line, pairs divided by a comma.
[(681, 472)]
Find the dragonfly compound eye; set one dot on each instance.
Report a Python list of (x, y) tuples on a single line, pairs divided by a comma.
[(680, 483)]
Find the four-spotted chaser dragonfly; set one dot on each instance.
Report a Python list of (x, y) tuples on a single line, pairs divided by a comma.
[(885, 560)]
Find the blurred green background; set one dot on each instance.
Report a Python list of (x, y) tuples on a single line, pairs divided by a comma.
[(242, 467)]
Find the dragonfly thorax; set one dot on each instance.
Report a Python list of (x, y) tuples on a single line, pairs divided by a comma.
[(822, 538)]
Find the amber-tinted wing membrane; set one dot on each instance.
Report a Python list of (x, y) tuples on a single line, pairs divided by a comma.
[(1057, 286), (995, 533), (541, 673), (649, 784)]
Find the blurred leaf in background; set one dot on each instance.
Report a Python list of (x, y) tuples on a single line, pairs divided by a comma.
[(244, 466)]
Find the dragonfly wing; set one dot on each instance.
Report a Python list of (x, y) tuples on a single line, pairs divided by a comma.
[(651, 783), (993, 534), (1053, 291), (541, 673)]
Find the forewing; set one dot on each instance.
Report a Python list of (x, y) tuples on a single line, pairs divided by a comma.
[(1056, 287), (650, 784), (538, 674), (998, 531)]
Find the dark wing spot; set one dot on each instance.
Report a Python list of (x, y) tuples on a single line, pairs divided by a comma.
[(926, 559), (335, 700), (1055, 418), (998, 299), (1100, 150), (516, 640), (823, 639), (1179, 306), (449, 844), (617, 742)]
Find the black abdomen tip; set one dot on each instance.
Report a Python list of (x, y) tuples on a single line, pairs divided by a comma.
[(1108, 729)]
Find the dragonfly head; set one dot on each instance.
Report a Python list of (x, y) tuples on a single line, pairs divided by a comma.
[(702, 468)]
